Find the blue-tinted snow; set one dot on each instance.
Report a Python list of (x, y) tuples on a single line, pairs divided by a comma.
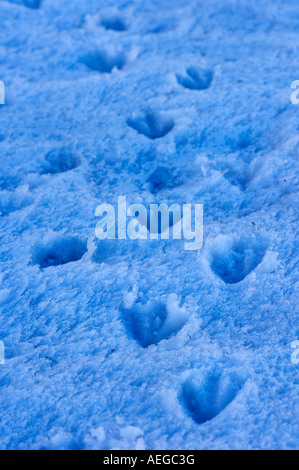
[(142, 344)]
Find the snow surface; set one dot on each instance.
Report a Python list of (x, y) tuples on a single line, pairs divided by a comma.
[(141, 344)]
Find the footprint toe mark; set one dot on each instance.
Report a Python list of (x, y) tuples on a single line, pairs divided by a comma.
[(60, 160), (34, 4), (59, 251), (152, 322), (162, 178), (234, 259), (12, 201), (196, 78), (206, 396), (103, 61), (153, 125), (114, 22)]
